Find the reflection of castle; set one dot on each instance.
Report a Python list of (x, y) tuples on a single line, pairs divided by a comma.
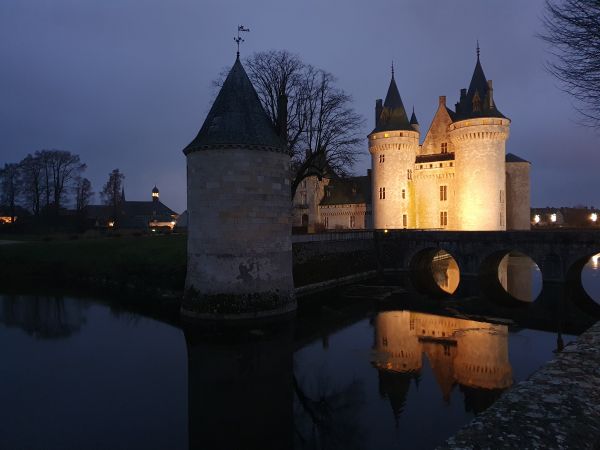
[(471, 354)]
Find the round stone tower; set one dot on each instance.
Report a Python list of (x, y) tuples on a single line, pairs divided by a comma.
[(393, 145), (239, 206), (479, 135)]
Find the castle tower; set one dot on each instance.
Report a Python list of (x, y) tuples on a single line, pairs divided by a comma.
[(393, 145), (239, 206), (155, 194), (479, 133)]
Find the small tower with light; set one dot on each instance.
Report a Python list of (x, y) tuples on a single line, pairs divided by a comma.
[(155, 194)]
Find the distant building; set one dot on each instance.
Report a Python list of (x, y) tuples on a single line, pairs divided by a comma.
[(137, 215), (565, 217)]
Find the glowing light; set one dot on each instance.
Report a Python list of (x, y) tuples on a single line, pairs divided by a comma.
[(173, 222), (386, 135), (536, 218), (594, 217), (553, 217), (111, 224), (385, 231)]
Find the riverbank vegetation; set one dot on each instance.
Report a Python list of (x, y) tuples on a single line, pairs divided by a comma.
[(143, 265)]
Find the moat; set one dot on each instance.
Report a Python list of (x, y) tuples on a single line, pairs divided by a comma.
[(347, 372)]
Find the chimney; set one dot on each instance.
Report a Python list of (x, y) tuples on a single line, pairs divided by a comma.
[(463, 93), (378, 109), (490, 95), (282, 118), (442, 100)]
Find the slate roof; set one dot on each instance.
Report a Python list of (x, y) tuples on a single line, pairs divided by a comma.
[(236, 117), (351, 190), (477, 88), (413, 118), (132, 214), (512, 158), (393, 115)]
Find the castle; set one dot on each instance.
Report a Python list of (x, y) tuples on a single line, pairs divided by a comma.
[(459, 178)]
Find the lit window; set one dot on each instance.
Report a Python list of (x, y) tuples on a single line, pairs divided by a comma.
[(386, 135), (404, 220), (326, 222), (403, 193), (381, 158), (352, 221), (443, 193), (553, 217), (536, 218), (594, 217), (443, 218), (444, 147)]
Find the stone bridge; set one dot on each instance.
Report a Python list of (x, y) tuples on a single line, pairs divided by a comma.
[(559, 254)]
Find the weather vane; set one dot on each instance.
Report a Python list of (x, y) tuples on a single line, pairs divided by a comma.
[(239, 38)]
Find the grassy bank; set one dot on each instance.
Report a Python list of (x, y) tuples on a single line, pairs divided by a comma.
[(144, 266)]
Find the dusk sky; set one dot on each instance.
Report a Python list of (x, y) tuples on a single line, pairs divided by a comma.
[(127, 84)]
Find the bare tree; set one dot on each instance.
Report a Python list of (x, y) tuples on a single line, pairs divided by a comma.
[(32, 182), (322, 128), (60, 169), (112, 191), (83, 193), (9, 188), (573, 31)]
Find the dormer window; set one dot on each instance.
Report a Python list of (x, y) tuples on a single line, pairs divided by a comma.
[(444, 147)]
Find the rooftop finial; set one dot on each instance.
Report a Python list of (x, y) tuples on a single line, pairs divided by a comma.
[(478, 50), (239, 39), (392, 69)]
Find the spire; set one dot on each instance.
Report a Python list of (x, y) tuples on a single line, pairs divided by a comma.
[(236, 117), (392, 69), (413, 118), (393, 115), (477, 101)]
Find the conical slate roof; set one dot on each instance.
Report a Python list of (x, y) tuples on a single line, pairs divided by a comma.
[(413, 118), (477, 102), (236, 118), (393, 115)]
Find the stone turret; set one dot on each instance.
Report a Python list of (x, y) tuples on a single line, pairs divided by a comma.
[(393, 145), (239, 206), (479, 133)]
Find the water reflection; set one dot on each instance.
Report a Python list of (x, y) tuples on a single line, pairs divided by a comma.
[(445, 271), (520, 276), (240, 392), (590, 277), (471, 354), (43, 317)]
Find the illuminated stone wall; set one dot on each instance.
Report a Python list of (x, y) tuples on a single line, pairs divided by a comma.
[(239, 236), (438, 131), (480, 173), (339, 216), (399, 149), (518, 196), (309, 194), (428, 177)]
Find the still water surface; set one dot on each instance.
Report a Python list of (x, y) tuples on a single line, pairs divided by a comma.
[(78, 374)]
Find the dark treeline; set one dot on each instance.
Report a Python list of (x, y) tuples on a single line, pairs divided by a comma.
[(43, 184)]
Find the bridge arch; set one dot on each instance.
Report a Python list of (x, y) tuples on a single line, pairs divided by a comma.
[(433, 270), (575, 285), (507, 276)]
